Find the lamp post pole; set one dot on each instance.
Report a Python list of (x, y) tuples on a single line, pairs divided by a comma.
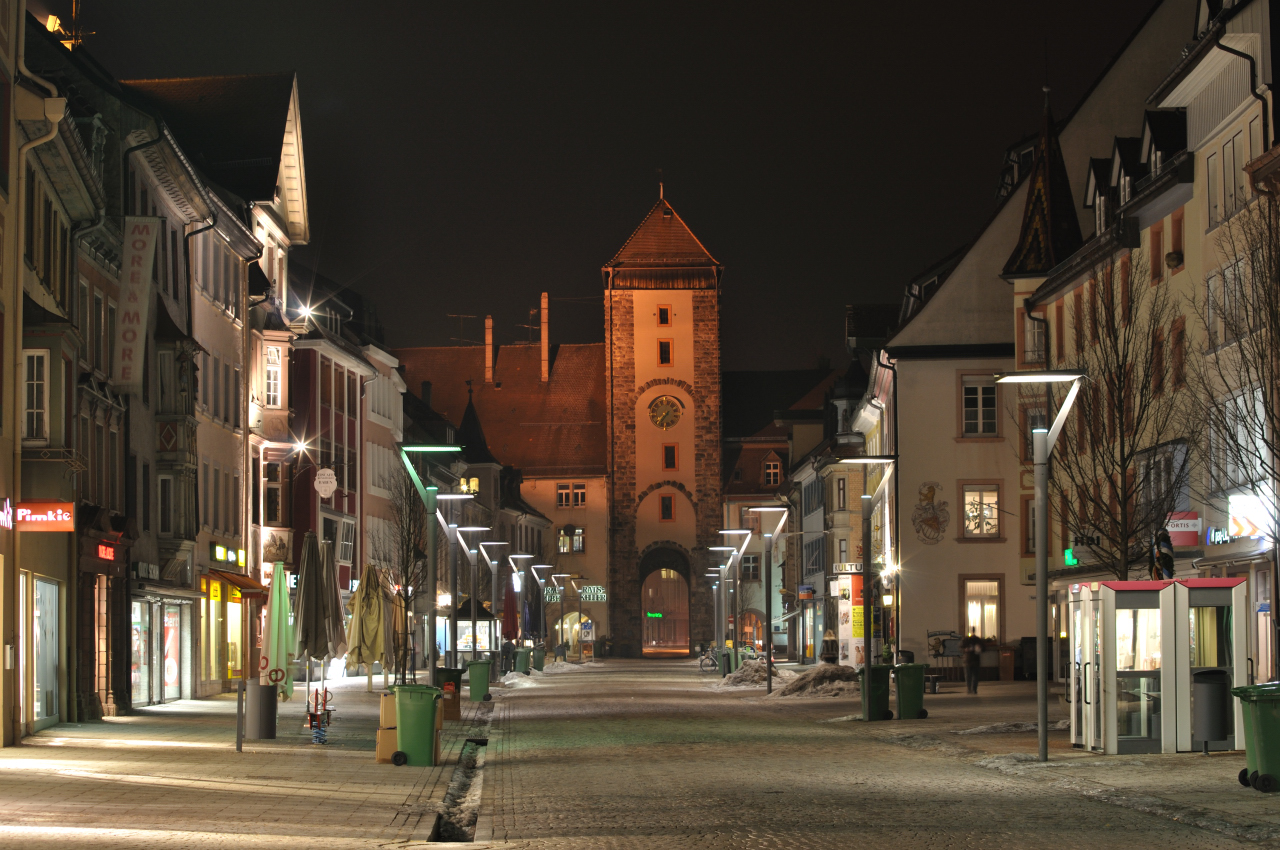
[(1040, 459), (453, 589), (432, 569), (868, 630)]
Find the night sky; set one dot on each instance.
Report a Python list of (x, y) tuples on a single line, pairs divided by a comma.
[(463, 157)]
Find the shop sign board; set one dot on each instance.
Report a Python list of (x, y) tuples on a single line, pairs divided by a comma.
[(139, 244), (854, 567), (326, 483), (1183, 528), (45, 516)]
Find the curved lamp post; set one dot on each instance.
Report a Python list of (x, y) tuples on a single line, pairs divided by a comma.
[(1042, 442)]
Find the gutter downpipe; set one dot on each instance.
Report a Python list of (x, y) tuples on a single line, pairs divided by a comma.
[(897, 508), (54, 109), (1253, 85)]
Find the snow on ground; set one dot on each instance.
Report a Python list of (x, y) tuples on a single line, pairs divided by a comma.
[(518, 680), (570, 667), (824, 680), (751, 675), (1021, 726)]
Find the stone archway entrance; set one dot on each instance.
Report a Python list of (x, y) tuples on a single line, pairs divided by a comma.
[(664, 603)]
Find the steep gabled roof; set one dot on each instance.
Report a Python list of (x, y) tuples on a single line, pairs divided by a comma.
[(471, 435), (662, 240), (1050, 223), (232, 127)]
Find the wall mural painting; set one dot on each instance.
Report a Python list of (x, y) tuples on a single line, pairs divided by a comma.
[(930, 515)]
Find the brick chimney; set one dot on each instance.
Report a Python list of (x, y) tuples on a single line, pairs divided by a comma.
[(546, 342), (488, 349)]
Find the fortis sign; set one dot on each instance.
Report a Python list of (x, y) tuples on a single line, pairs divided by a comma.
[(45, 516)]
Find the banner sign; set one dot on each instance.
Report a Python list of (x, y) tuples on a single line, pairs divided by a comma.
[(140, 234)]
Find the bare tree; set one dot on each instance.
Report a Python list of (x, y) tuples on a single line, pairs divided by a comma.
[(1121, 466), (399, 546)]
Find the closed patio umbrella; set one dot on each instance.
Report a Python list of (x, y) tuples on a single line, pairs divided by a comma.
[(367, 632), (334, 625), (278, 641), (310, 607)]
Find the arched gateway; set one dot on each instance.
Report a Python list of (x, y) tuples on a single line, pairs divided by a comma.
[(664, 603)]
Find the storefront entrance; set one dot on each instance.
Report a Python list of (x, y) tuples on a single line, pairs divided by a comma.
[(159, 651), (46, 695), (664, 599)]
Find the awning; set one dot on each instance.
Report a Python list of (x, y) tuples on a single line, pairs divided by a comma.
[(248, 586), (785, 617), (1258, 552)]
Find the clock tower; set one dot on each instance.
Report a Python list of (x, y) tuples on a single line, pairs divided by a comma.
[(662, 338)]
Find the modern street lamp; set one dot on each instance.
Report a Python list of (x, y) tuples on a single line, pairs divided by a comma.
[(493, 602), (430, 495), (560, 622), (1042, 442), (471, 559), (735, 563), (868, 578), (517, 577), (769, 538)]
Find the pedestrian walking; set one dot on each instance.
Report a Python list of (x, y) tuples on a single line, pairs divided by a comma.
[(971, 648), (830, 653), (508, 656)]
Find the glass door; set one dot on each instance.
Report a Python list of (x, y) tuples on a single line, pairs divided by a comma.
[(172, 652), (1138, 695), (1093, 677), (44, 630), (1077, 684), (140, 652), (1262, 605)]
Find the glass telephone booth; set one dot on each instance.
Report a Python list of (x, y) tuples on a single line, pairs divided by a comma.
[(1134, 646)]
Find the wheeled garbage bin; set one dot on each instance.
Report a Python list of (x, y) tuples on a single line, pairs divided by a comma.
[(478, 676), (911, 691), (522, 659), (875, 692), (538, 657), (416, 725), (1260, 706)]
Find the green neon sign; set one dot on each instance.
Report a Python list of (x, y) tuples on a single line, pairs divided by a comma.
[(1069, 558), (655, 614)]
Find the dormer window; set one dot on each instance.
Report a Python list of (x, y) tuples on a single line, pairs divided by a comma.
[(1126, 189), (1100, 213)]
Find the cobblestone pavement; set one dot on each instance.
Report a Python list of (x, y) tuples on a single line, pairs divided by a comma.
[(640, 754), (170, 777)]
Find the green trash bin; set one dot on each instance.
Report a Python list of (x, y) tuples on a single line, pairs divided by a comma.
[(522, 659), (1260, 705), (538, 657), (416, 707), (875, 692), (911, 691), (478, 675), (449, 674)]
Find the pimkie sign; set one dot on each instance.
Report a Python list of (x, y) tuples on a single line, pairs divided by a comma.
[(45, 516), (140, 233)]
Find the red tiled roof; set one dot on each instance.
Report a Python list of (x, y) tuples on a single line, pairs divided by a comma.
[(662, 239), (557, 427)]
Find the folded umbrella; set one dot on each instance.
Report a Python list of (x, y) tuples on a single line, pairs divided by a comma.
[(278, 641)]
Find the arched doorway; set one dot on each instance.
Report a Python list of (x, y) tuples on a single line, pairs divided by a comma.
[(752, 630), (664, 599), (567, 631)]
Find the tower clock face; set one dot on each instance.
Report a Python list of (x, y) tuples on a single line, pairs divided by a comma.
[(665, 411)]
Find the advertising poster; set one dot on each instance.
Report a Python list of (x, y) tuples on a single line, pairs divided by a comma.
[(844, 608), (172, 621)]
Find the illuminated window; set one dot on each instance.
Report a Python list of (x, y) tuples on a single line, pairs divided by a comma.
[(664, 352), (273, 376), (667, 508), (669, 456), (772, 472), (982, 608), (981, 510), (664, 315)]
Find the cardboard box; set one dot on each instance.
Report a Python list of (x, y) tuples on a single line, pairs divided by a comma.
[(451, 706), (387, 711), (385, 747)]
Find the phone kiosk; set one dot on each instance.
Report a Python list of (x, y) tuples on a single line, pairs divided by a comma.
[(1134, 648)]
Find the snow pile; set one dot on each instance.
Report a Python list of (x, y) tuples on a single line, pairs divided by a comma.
[(825, 680), (751, 674), (517, 680), (566, 667), (1022, 726)]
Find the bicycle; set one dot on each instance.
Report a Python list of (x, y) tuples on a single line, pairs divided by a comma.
[(708, 662)]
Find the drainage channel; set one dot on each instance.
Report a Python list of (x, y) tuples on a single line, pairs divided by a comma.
[(462, 800)]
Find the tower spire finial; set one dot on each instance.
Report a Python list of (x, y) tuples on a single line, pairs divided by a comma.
[(659, 184)]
